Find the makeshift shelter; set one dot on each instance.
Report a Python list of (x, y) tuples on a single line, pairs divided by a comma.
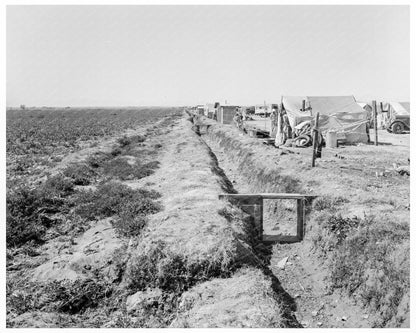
[(209, 109), (226, 114), (340, 114)]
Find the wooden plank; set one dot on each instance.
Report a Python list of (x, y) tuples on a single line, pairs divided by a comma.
[(281, 239), (300, 219), (258, 215)]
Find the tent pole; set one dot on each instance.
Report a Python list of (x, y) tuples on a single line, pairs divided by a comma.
[(375, 122), (315, 139)]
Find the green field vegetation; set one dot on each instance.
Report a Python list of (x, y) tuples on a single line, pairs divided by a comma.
[(59, 205), (43, 136)]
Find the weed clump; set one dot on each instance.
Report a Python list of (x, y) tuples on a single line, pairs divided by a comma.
[(328, 203), (61, 296), (30, 211), (81, 174), (114, 199), (341, 227), (125, 140), (128, 224), (98, 159), (159, 267), (121, 169)]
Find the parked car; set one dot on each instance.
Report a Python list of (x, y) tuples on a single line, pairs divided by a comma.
[(398, 119)]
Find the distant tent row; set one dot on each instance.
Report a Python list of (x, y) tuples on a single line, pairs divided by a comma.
[(340, 114), (349, 119)]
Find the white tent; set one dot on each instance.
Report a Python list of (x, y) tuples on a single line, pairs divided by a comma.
[(340, 114)]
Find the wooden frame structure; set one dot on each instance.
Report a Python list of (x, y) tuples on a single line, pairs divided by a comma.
[(253, 205)]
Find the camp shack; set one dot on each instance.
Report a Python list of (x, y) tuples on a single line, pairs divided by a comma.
[(340, 114), (226, 113), (210, 110), (200, 110)]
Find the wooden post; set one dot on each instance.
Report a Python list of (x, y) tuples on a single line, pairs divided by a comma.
[(375, 122), (303, 105), (315, 139), (300, 219)]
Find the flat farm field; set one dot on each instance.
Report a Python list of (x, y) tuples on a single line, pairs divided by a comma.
[(73, 201), (38, 138)]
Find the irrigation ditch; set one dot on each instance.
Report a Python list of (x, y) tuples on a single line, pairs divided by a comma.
[(249, 168)]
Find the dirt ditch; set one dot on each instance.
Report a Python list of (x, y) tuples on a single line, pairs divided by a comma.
[(252, 167), (205, 246)]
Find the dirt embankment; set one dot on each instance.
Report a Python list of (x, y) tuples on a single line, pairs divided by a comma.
[(198, 237), (193, 265), (340, 275)]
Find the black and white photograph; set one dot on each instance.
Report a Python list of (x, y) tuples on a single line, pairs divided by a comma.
[(207, 165)]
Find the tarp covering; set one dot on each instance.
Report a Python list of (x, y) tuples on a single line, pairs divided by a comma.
[(341, 114)]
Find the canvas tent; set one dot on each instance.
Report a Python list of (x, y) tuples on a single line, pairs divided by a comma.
[(340, 114)]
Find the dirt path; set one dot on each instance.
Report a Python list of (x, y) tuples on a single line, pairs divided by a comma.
[(303, 277)]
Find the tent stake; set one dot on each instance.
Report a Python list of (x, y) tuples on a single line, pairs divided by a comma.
[(315, 139)]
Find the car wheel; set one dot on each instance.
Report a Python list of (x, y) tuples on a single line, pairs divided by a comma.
[(397, 128)]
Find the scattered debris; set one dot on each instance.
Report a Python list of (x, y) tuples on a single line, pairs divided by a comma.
[(314, 313), (339, 156), (282, 263), (344, 318), (402, 170), (319, 323)]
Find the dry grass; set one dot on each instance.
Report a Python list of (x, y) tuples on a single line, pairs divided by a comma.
[(247, 299)]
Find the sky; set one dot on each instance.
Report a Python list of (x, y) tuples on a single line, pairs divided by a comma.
[(187, 55)]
